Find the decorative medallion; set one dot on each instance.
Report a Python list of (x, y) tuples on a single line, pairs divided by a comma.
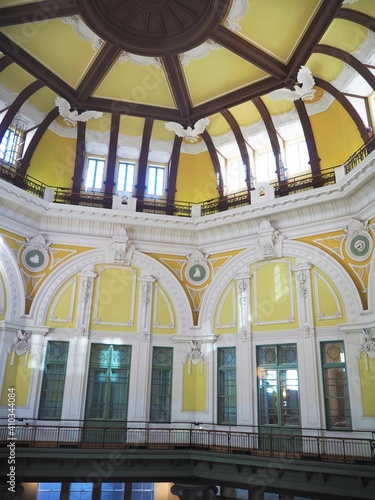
[(359, 246), (35, 254), (197, 270), (21, 346), (154, 27)]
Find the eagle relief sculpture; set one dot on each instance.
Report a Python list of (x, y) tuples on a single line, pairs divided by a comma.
[(303, 89), (190, 133), (72, 117)]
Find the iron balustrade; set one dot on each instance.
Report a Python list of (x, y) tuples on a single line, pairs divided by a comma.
[(180, 208), (288, 446)]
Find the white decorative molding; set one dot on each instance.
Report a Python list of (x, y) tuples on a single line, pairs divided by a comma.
[(196, 355), (244, 309), (368, 345), (21, 346), (85, 301), (302, 272), (145, 298), (269, 244), (120, 250)]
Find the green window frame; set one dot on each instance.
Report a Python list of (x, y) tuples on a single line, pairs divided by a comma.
[(125, 176), (94, 174), (161, 384), (227, 390), (278, 386), (108, 383), (52, 392), (156, 180), (335, 382)]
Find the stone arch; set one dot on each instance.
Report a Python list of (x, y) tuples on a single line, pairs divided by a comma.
[(87, 261), (294, 249), (14, 286)]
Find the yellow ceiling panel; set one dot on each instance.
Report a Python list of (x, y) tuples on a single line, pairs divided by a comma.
[(219, 73), (131, 125), (245, 114), (160, 133), (43, 100), (345, 35), (325, 67), (218, 125), (15, 79), (56, 45), (102, 124), (266, 22), (365, 6), (135, 83)]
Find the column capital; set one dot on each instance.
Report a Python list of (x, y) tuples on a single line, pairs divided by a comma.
[(194, 491)]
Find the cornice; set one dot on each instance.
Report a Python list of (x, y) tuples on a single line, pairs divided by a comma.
[(301, 214)]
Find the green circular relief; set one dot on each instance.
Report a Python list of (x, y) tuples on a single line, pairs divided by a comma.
[(360, 245)]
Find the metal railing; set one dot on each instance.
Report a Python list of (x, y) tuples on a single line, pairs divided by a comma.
[(181, 208), (288, 446)]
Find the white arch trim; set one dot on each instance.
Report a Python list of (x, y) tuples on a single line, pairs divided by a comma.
[(14, 286), (87, 261), (293, 249)]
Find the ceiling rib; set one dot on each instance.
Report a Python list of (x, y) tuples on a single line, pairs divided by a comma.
[(5, 62), (25, 160), (100, 67), (348, 59), (357, 17), (347, 105), (37, 12), (314, 159), (16, 105), (177, 82), (241, 143), (215, 161), (249, 52), (35, 68)]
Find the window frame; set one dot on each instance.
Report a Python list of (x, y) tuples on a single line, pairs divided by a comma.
[(157, 167), (225, 408), (270, 155), (94, 189), (164, 399), (288, 160), (127, 163), (49, 385), (325, 366), (11, 146)]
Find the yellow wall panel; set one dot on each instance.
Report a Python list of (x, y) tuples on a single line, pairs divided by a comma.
[(17, 376), (194, 394), (53, 160), (226, 312), (163, 315), (328, 308), (196, 179), (367, 385), (64, 306)]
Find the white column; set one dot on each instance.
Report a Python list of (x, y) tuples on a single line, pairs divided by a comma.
[(308, 356), (139, 389), (85, 301)]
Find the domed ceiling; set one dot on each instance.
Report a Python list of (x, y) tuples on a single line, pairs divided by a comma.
[(143, 63)]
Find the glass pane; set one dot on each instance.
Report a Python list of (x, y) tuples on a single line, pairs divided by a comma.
[(151, 188), (289, 397), (268, 397), (267, 355), (287, 354)]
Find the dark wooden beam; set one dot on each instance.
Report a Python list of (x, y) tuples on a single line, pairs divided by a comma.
[(79, 163), (26, 158), (177, 83), (272, 134), (309, 136), (132, 109), (16, 105), (348, 59), (249, 52), (143, 158), (112, 154), (346, 104), (35, 68), (215, 161), (38, 11), (241, 144), (5, 62), (357, 17), (235, 98), (319, 25), (173, 168), (97, 71)]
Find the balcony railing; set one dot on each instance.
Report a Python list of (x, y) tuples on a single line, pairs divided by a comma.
[(288, 446), (181, 208)]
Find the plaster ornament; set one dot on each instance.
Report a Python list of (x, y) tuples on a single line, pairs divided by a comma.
[(368, 346), (190, 133), (120, 251), (72, 117), (269, 244), (21, 346), (303, 89), (196, 355)]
